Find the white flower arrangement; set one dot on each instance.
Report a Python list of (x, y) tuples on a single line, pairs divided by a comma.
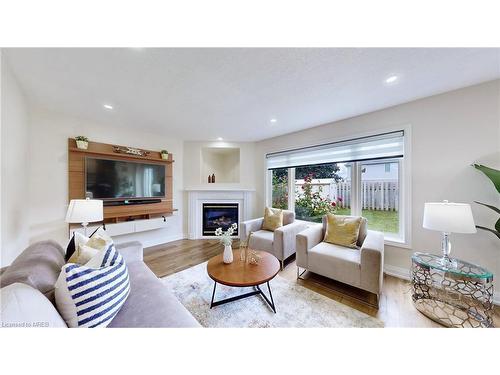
[(225, 237)]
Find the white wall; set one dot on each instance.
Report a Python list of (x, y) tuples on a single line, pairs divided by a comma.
[(14, 162), (449, 132), (48, 173)]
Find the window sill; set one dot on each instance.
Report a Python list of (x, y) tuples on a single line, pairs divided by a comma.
[(396, 242)]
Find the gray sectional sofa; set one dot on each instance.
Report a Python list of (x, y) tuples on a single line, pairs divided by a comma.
[(150, 303)]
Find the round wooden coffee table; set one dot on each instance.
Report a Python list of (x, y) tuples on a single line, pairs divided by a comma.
[(243, 274)]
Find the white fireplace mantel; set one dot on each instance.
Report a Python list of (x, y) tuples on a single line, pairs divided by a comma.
[(198, 196)]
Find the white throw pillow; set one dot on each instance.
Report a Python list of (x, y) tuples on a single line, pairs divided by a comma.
[(91, 295), (86, 248), (25, 306)]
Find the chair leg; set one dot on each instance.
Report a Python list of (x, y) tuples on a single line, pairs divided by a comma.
[(299, 274), (282, 265)]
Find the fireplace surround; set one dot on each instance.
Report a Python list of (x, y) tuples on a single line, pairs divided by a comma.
[(198, 196)]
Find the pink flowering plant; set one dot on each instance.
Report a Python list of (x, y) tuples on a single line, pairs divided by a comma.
[(310, 205)]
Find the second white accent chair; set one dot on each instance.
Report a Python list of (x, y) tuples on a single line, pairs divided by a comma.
[(281, 243)]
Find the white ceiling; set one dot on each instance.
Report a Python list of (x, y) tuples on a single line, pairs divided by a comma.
[(205, 93)]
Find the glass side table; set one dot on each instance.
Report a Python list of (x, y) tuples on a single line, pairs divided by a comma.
[(458, 296)]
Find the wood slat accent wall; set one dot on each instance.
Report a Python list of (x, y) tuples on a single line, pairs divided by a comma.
[(76, 180)]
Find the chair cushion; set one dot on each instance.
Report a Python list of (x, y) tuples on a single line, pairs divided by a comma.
[(363, 228), (336, 262), (342, 230), (273, 219), (25, 306), (262, 240), (288, 217), (38, 266)]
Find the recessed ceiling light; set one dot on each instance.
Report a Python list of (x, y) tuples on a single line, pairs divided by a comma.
[(391, 79), (219, 138), (273, 121), (107, 106)]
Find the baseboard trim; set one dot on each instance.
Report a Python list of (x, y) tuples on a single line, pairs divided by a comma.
[(403, 273), (399, 272)]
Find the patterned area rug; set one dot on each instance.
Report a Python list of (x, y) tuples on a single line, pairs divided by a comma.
[(296, 306)]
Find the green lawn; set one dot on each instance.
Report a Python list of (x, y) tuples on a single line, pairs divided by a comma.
[(384, 221)]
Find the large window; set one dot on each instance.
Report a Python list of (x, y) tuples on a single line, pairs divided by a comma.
[(280, 188), (356, 177), (322, 189)]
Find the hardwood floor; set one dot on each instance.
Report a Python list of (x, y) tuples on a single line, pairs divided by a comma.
[(395, 307)]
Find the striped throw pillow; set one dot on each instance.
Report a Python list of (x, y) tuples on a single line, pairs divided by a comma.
[(91, 295)]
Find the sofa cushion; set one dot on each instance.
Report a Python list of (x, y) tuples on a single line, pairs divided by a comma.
[(87, 247), (262, 240), (150, 303), (91, 295), (336, 262), (25, 306), (39, 266)]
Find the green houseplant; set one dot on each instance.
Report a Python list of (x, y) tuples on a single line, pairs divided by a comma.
[(494, 176), (82, 142), (164, 154)]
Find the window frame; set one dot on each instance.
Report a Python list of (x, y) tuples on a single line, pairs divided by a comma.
[(404, 175)]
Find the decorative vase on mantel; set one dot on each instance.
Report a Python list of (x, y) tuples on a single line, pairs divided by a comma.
[(227, 256)]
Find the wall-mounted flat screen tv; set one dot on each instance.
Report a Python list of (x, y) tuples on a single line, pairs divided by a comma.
[(117, 179)]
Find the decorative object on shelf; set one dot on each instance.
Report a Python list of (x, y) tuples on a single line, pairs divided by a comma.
[(494, 176), (82, 142), (213, 178), (461, 296), (84, 211), (164, 154), (226, 239), (254, 257), (244, 249), (130, 151), (448, 217)]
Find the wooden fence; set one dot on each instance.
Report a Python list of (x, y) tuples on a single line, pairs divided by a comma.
[(376, 194)]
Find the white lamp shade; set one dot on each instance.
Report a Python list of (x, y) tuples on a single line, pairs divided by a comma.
[(84, 211), (449, 217)]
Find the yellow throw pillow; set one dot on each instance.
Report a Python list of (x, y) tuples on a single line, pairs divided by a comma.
[(273, 219), (342, 230)]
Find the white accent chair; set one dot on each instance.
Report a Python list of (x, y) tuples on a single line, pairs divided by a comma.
[(280, 243), (361, 268)]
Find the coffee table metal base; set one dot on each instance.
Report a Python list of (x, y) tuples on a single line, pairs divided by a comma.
[(246, 295)]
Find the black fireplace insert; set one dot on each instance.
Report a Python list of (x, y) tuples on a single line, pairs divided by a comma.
[(219, 215)]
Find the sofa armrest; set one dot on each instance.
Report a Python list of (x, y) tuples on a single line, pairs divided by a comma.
[(372, 261), (250, 226), (284, 238), (131, 251), (305, 241)]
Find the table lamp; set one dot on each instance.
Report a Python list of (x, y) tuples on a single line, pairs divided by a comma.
[(84, 211), (448, 217)]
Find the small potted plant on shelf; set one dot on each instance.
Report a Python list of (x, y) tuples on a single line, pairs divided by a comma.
[(226, 239), (164, 154), (82, 142)]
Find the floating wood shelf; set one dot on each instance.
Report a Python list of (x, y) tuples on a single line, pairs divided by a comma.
[(113, 214)]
